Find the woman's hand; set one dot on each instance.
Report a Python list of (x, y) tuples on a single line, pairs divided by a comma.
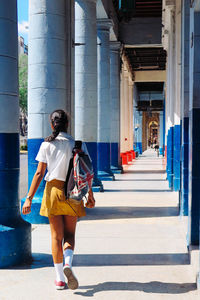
[(26, 209), (90, 201)]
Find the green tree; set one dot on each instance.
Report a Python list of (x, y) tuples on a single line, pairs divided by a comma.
[(23, 82)]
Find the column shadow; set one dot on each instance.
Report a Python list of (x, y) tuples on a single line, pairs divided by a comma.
[(122, 212)]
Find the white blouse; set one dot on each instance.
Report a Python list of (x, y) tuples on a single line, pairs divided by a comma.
[(56, 155)]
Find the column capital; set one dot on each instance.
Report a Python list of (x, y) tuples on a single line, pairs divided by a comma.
[(115, 46), (104, 24)]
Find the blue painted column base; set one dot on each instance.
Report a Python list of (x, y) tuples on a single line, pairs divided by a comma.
[(34, 217), (170, 151), (139, 147), (115, 167), (15, 244), (97, 185), (116, 170), (92, 149), (176, 158), (15, 233), (106, 176), (185, 169), (104, 172)]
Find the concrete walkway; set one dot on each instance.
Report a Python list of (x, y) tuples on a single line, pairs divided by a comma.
[(132, 246)]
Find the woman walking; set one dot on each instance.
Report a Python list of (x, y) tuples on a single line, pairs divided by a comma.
[(54, 155)]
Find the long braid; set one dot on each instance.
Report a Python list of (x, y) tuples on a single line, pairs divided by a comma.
[(59, 120)]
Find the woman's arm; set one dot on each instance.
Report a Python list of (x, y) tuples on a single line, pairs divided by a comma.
[(90, 201), (39, 174)]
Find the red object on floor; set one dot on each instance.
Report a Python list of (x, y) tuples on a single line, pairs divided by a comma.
[(129, 155), (124, 158), (133, 153)]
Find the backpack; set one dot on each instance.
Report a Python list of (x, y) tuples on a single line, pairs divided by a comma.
[(79, 176)]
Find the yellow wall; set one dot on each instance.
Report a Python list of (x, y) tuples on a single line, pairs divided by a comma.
[(150, 76)]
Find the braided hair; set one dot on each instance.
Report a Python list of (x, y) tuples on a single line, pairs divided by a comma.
[(59, 120)]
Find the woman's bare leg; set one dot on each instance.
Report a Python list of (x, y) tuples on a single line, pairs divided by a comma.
[(69, 243), (69, 232), (57, 235)]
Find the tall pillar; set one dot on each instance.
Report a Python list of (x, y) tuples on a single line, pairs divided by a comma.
[(194, 136), (15, 233), (126, 109), (185, 107), (170, 100), (161, 142), (48, 79), (115, 106), (104, 106), (122, 112), (130, 113), (177, 125), (86, 79)]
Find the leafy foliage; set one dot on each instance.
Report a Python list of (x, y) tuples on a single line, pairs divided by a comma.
[(23, 82)]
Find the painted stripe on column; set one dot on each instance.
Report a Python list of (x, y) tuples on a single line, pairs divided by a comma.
[(185, 168), (176, 162), (170, 150), (104, 172)]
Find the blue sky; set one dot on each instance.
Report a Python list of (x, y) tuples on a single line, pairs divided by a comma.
[(23, 19)]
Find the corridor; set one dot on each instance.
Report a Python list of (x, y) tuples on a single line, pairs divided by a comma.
[(132, 246)]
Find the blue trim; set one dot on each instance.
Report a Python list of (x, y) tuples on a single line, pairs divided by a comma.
[(15, 234), (185, 169), (33, 148), (176, 157), (139, 147), (161, 151), (34, 217), (104, 171), (194, 176), (92, 149), (170, 154), (115, 167), (15, 245)]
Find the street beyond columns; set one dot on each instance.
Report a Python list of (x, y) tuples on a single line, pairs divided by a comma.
[(132, 246)]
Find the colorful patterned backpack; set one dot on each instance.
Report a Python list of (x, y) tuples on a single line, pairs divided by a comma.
[(79, 176)]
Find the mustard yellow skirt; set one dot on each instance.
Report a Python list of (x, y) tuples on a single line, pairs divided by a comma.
[(54, 201)]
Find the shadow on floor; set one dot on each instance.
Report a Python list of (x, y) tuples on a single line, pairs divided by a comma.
[(137, 179), (155, 287), (158, 259), (136, 191), (121, 212), (145, 171), (42, 260)]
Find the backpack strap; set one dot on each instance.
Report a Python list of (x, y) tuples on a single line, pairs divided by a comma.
[(78, 145)]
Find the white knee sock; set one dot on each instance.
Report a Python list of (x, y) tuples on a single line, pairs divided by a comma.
[(68, 255), (59, 272)]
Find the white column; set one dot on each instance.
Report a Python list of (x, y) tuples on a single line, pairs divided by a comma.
[(49, 77), (104, 107), (86, 79), (126, 110), (115, 105), (122, 112), (15, 234), (130, 113)]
